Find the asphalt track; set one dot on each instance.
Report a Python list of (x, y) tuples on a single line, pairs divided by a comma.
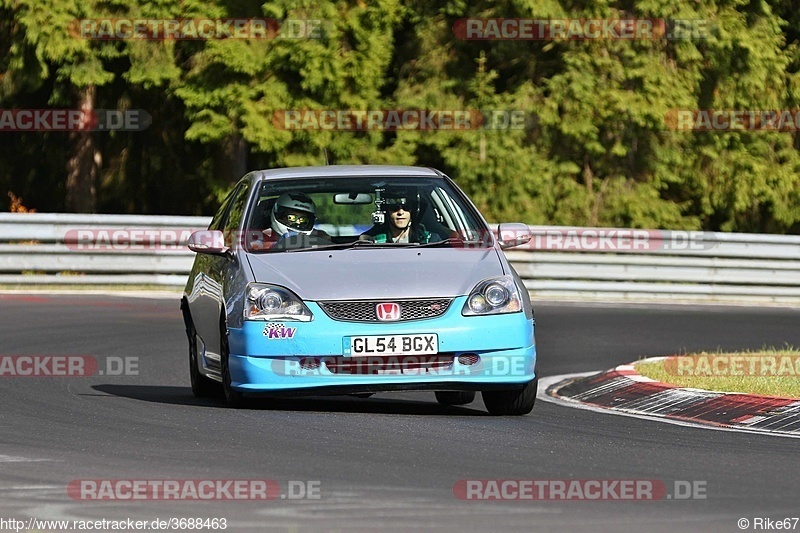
[(389, 462)]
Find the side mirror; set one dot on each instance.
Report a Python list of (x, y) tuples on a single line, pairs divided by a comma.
[(209, 241), (513, 234)]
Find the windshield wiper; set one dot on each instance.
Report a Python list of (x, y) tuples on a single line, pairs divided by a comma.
[(371, 244), (340, 246), (455, 242)]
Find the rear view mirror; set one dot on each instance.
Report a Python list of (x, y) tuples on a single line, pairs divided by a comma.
[(360, 198)]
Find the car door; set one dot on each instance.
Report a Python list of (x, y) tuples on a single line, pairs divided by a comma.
[(211, 274)]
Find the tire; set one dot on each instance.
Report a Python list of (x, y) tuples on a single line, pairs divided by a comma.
[(233, 397), (461, 397), (362, 394), (514, 402), (202, 387)]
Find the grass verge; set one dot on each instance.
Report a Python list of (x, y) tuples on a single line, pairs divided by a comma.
[(771, 372)]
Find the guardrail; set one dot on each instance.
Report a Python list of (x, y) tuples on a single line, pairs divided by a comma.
[(627, 264), (559, 262), (125, 250)]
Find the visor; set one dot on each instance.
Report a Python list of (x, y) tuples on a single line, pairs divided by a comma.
[(296, 220)]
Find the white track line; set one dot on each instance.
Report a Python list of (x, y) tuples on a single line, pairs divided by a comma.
[(18, 459)]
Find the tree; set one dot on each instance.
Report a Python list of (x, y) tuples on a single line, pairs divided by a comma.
[(44, 47)]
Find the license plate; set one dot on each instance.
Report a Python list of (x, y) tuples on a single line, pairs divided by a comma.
[(424, 344)]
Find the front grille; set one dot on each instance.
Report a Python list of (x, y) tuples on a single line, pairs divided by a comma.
[(364, 310)]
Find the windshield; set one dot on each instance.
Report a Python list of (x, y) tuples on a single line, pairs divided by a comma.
[(304, 214)]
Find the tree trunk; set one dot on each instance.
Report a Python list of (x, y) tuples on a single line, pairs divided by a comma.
[(233, 159), (588, 178), (83, 166)]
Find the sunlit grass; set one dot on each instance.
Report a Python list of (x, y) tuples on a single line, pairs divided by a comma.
[(770, 371)]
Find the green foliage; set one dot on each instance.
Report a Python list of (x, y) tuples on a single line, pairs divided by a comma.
[(596, 148)]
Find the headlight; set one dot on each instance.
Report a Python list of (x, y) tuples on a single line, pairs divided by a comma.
[(268, 302), (493, 297)]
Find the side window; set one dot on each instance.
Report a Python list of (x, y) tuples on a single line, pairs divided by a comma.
[(456, 219), (221, 217), (218, 222), (236, 212)]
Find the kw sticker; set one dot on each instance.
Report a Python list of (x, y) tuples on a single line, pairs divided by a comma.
[(277, 330)]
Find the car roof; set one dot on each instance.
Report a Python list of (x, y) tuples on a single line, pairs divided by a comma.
[(347, 171)]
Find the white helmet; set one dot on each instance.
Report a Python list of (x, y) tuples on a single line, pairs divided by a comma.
[(293, 211)]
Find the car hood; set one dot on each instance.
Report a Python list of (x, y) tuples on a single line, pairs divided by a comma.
[(377, 273)]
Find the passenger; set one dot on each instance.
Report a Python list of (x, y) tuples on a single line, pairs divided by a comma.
[(399, 227)]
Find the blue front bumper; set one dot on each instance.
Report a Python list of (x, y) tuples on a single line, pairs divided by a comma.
[(267, 357)]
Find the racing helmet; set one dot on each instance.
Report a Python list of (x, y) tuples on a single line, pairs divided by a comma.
[(293, 211)]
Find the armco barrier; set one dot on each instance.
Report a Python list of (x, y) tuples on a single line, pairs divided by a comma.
[(560, 262), (46, 249), (669, 265)]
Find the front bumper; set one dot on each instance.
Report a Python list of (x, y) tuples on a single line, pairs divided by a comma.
[(307, 357)]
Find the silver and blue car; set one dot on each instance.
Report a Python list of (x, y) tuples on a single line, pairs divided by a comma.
[(304, 284)]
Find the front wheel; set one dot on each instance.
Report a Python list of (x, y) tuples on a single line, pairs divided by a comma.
[(512, 402), (462, 397)]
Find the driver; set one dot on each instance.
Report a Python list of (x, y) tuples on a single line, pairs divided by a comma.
[(293, 213)]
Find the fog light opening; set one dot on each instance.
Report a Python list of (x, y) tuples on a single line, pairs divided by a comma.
[(468, 359), (309, 363)]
